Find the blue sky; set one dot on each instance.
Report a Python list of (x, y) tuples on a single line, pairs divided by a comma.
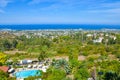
[(59, 11)]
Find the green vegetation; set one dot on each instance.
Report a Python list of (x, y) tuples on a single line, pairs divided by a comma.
[(54, 74), (103, 56), (3, 58), (62, 65), (5, 76)]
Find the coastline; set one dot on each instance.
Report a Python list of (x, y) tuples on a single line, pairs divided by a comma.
[(59, 27)]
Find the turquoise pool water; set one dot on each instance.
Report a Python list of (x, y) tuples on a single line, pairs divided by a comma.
[(27, 73)]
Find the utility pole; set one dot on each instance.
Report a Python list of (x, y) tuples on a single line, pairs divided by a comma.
[(93, 74)]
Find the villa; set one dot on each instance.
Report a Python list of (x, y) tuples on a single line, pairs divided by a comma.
[(89, 35), (25, 61), (98, 40), (7, 69), (4, 68), (30, 68)]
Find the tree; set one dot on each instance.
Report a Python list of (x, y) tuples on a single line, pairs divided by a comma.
[(6, 44), (111, 76), (20, 46), (14, 44), (29, 50), (81, 74), (54, 74), (3, 58), (62, 64), (42, 56), (3, 75), (22, 38), (46, 42)]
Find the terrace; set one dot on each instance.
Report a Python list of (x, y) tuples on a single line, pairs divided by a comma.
[(27, 68)]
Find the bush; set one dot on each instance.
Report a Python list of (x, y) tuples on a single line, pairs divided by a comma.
[(3, 58), (3, 75), (81, 74), (111, 76), (54, 74)]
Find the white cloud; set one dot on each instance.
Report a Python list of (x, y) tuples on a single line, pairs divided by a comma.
[(4, 3), (110, 14), (92, 6), (109, 11)]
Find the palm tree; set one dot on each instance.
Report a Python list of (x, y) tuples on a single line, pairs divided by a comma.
[(111, 76), (62, 64)]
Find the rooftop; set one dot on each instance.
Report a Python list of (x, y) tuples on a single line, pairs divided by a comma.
[(4, 68)]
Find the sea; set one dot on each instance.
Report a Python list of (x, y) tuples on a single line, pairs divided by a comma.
[(58, 26)]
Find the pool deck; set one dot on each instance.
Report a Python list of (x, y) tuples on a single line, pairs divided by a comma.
[(43, 68), (20, 79), (21, 69)]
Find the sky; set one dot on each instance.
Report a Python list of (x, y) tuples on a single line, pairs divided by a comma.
[(59, 11)]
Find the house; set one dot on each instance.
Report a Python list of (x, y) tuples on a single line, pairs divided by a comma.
[(89, 35), (98, 40), (4, 68), (25, 61)]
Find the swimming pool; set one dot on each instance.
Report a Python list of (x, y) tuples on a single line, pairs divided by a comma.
[(27, 73)]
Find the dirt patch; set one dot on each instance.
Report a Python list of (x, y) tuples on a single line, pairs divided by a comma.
[(81, 58), (112, 56), (13, 52), (70, 76), (60, 57)]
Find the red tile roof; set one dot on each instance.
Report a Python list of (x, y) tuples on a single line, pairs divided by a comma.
[(4, 68)]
